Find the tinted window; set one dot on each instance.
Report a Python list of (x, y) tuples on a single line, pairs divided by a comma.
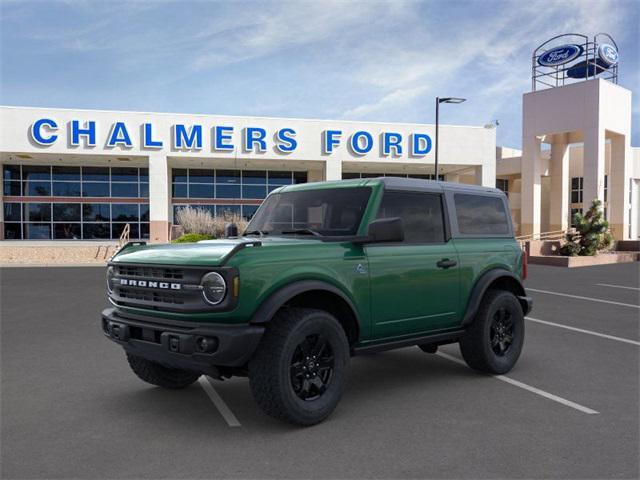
[(481, 215), (66, 173), (66, 212), (66, 189), (330, 211), (421, 215)]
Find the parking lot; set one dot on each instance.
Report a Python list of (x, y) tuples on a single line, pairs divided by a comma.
[(71, 408)]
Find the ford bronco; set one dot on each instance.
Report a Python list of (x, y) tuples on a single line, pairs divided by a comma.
[(325, 271)]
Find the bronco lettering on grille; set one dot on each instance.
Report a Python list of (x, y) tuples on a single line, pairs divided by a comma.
[(150, 284)]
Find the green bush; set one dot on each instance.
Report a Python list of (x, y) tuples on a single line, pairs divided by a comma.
[(591, 235), (192, 238)]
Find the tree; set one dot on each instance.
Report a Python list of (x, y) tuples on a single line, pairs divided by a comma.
[(591, 235)]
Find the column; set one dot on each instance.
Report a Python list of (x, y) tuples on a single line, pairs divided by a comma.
[(531, 187), (159, 198), (1, 209), (333, 169), (559, 204), (452, 177), (314, 175), (618, 188), (593, 167), (486, 174)]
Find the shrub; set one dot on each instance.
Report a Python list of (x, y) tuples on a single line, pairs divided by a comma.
[(591, 235), (200, 221), (192, 238)]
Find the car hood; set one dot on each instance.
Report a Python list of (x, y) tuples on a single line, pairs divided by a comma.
[(206, 253)]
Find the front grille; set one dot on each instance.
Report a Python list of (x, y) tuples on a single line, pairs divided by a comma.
[(154, 296), (161, 273), (166, 288), (161, 295)]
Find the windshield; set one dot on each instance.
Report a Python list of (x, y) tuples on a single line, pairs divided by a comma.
[(326, 212)]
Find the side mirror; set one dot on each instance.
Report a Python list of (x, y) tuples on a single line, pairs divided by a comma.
[(385, 230)]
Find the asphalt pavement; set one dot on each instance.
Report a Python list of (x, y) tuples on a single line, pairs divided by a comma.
[(71, 408)]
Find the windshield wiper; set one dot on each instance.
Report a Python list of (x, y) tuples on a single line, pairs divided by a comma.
[(302, 231), (256, 232)]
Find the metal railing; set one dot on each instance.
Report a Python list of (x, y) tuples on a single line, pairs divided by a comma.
[(124, 236), (542, 236)]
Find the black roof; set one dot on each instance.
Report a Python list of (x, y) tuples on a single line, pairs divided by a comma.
[(435, 186)]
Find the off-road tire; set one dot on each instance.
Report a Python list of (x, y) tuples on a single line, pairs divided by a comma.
[(157, 374), (270, 368), (476, 344)]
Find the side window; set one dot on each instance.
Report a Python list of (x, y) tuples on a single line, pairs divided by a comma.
[(421, 215), (481, 215)]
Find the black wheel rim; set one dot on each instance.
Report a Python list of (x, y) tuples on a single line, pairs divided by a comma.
[(312, 367), (501, 334)]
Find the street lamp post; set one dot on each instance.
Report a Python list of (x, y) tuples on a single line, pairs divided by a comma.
[(438, 102)]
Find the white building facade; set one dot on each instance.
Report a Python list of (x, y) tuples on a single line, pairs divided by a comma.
[(85, 174)]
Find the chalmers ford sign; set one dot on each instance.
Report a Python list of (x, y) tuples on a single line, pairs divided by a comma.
[(45, 132)]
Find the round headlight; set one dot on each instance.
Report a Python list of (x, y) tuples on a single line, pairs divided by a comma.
[(111, 272), (214, 288)]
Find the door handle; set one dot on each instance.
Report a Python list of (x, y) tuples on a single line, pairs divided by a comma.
[(446, 263)]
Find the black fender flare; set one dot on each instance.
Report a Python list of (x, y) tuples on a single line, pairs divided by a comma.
[(276, 300), (483, 284)]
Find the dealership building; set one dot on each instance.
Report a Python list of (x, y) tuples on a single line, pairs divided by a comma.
[(86, 174)]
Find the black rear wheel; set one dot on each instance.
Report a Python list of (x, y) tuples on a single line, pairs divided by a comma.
[(298, 372), (494, 341)]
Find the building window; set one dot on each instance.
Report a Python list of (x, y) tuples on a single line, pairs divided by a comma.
[(576, 190), (216, 186), (64, 214), (63, 181), (606, 187), (503, 184), (352, 175)]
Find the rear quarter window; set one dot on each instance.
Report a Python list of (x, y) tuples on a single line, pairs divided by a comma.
[(481, 215)]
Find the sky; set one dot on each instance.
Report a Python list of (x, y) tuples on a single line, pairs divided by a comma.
[(351, 60)]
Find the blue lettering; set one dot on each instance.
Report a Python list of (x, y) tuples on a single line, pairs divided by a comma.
[(330, 141), (89, 131), (356, 145), (36, 131), (286, 141), (253, 136), (391, 140), (421, 144), (222, 137), (186, 139), (147, 138), (119, 136)]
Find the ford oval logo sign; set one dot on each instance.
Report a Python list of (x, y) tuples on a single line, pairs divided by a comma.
[(560, 55), (608, 54)]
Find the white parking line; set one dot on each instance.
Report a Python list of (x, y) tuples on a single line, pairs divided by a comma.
[(617, 286), (524, 386), (589, 332), (217, 400), (584, 298)]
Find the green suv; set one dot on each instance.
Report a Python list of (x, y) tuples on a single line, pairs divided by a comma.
[(325, 271)]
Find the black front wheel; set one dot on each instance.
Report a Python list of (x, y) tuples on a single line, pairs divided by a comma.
[(298, 372), (494, 341)]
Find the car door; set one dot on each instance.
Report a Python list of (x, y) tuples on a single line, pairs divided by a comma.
[(415, 283)]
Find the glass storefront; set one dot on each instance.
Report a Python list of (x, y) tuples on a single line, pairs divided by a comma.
[(114, 197), (350, 175), (209, 188)]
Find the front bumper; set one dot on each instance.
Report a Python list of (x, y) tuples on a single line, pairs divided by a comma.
[(190, 346)]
